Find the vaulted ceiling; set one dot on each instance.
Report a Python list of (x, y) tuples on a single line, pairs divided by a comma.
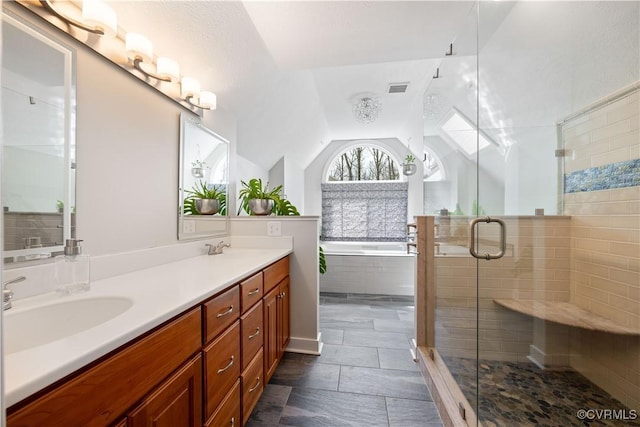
[(290, 70)]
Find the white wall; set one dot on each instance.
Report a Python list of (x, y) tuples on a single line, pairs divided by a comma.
[(127, 167), (305, 294)]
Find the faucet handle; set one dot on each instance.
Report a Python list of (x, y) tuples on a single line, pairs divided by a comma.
[(12, 281)]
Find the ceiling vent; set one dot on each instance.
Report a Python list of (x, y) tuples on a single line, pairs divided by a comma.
[(397, 87)]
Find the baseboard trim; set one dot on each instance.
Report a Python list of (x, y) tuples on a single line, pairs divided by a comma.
[(305, 345)]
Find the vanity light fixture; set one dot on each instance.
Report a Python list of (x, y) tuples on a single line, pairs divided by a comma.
[(191, 91), (140, 49), (97, 17)]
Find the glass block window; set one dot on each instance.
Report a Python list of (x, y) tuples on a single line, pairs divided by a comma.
[(364, 211)]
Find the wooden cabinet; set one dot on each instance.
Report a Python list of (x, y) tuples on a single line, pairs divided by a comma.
[(221, 367), (283, 313), (276, 316), (100, 395), (251, 329), (270, 339), (220, 312), (176, 403), (252, 386), (206, 367), (228, 413), (251, 291)]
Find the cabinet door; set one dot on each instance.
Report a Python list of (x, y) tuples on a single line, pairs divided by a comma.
[(270, 324), (283, 316), (175, 403)]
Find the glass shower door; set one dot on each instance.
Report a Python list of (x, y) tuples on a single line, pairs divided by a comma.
[(556, 162)]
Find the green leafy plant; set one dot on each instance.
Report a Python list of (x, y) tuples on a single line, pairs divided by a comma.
[(409, 159), (255, 190), (202, 191), (198, 164), (60, 205), (322, 261), (477, 209)]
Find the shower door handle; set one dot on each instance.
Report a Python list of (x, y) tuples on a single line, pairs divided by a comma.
[(472, 238)]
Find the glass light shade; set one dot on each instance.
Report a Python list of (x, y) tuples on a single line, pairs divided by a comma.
[(190, 87), (167, 67), (99, 14), (138, 46), (207, 100)]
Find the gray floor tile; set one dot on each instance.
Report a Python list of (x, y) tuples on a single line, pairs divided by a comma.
[(412, 413), (311, 408), (332, 336), (396, 358), (366, 338), (383, 382), (348, 355), (305, 374), (393, 326), (271, 403)]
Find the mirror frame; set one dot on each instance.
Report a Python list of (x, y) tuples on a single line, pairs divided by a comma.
[(187, 119), (69, 179)]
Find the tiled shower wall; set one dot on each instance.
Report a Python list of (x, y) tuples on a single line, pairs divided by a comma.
[(536, 266), (18, 225), (602, 194)]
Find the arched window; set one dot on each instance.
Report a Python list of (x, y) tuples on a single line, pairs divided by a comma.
[(364, 163), (364, 197)]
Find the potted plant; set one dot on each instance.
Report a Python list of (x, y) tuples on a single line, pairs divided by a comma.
[(256, 199), (409, 166), (203, 200), (197, 169)]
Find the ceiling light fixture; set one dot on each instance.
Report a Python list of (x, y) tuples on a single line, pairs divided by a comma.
[(97, 17), (140, 49), (366, 110), (191, 91)]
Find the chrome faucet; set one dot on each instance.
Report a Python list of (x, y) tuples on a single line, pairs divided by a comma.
[(7, 294), (217, 249)]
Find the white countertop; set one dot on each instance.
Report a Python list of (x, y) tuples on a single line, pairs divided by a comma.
[(158, 294)]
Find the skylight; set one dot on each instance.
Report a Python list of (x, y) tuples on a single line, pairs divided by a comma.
[(460, 130)]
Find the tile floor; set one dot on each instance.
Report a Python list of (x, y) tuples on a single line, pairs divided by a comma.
[(364, 377)]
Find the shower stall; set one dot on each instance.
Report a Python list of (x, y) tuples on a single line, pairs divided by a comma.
[(528, 287)]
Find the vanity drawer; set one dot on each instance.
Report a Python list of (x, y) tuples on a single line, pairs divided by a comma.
[(228, 414), (220, 312), (221, 367), (275, 273), (251, 291), (252, 333), (252, 386)]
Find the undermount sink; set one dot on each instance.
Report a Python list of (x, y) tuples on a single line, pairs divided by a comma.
[(37, 326)]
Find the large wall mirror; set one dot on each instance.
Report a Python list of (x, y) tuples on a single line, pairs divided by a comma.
[(38, 121), (204, 181)]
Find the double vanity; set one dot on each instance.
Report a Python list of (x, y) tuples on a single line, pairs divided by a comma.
[(188, 343)]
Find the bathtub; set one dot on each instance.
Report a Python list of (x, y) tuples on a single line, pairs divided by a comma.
[(379, 268)]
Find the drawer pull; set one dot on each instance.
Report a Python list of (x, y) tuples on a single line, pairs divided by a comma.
[(229, 311), (255, 334), (253, 292), (252, 389), (230, 364), (233, 421)]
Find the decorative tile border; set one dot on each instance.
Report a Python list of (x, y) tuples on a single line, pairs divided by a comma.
[(614, 175)]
